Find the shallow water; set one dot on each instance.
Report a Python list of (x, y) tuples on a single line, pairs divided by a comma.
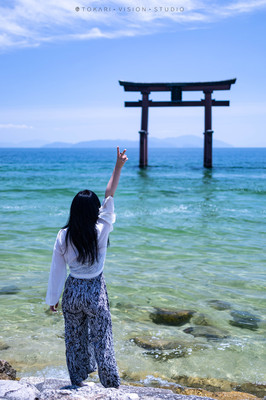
[(184, 236)]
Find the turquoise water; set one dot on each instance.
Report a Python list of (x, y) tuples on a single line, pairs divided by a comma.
[(184, 236)]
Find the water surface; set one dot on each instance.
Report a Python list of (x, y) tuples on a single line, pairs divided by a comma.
[(184, 236)]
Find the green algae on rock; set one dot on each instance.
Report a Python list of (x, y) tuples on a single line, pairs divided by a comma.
[(171, 317)]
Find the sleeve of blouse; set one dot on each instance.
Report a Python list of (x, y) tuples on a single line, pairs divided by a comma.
[(57, 275), (107, 213)]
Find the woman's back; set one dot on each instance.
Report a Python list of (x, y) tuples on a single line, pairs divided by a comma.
[(104, 226)]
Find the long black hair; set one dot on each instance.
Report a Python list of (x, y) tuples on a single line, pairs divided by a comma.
[(81, 226)]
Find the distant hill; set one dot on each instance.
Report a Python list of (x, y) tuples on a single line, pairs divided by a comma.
[(26, 143), (185, 141), (179, 141), (59, 145)]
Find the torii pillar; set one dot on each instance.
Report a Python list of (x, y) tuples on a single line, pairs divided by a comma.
[(143, 139), (208, 129)]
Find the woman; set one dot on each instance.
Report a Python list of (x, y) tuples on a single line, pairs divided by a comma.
[(81, 245)]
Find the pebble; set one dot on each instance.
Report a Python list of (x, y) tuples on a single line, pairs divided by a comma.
[(133, 396)]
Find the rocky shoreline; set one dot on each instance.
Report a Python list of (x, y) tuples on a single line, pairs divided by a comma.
[(56, 389), (33, 388)]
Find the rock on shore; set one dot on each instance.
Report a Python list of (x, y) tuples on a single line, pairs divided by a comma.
[(57, 389), (6, 371)]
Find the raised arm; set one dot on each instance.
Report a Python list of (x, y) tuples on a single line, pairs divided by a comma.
[(113, 182)]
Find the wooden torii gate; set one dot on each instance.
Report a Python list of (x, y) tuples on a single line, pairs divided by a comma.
[(176, 90)]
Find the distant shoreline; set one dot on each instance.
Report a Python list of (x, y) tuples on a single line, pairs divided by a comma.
[(184, 141), (111, 147)]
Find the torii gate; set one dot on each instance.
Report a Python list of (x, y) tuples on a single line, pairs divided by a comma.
[(176, 90)]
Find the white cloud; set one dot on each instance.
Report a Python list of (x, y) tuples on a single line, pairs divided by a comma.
[(30, 22), (15, 126), (245, 6)]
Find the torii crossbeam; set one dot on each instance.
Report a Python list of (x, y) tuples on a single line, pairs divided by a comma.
[(176, 90)]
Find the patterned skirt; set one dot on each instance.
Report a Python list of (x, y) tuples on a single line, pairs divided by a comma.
[(88, 331)]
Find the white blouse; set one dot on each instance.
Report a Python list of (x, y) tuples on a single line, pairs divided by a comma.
[(62, 257)]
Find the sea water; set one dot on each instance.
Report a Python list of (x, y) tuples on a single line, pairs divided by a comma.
[(185, 236)]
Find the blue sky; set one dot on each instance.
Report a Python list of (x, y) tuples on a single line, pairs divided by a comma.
[(60, 68)]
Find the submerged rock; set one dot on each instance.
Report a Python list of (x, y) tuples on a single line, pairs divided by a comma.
[(258, 389), (12, 289), (244, 319), (161, 350), (124, 306), (171, 317), (6, 371), (201, 319), (164, 350), (3, 346), (151, 343), (167, 355), (220, 304), (222, 388), (209, 332), (218, 395)]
